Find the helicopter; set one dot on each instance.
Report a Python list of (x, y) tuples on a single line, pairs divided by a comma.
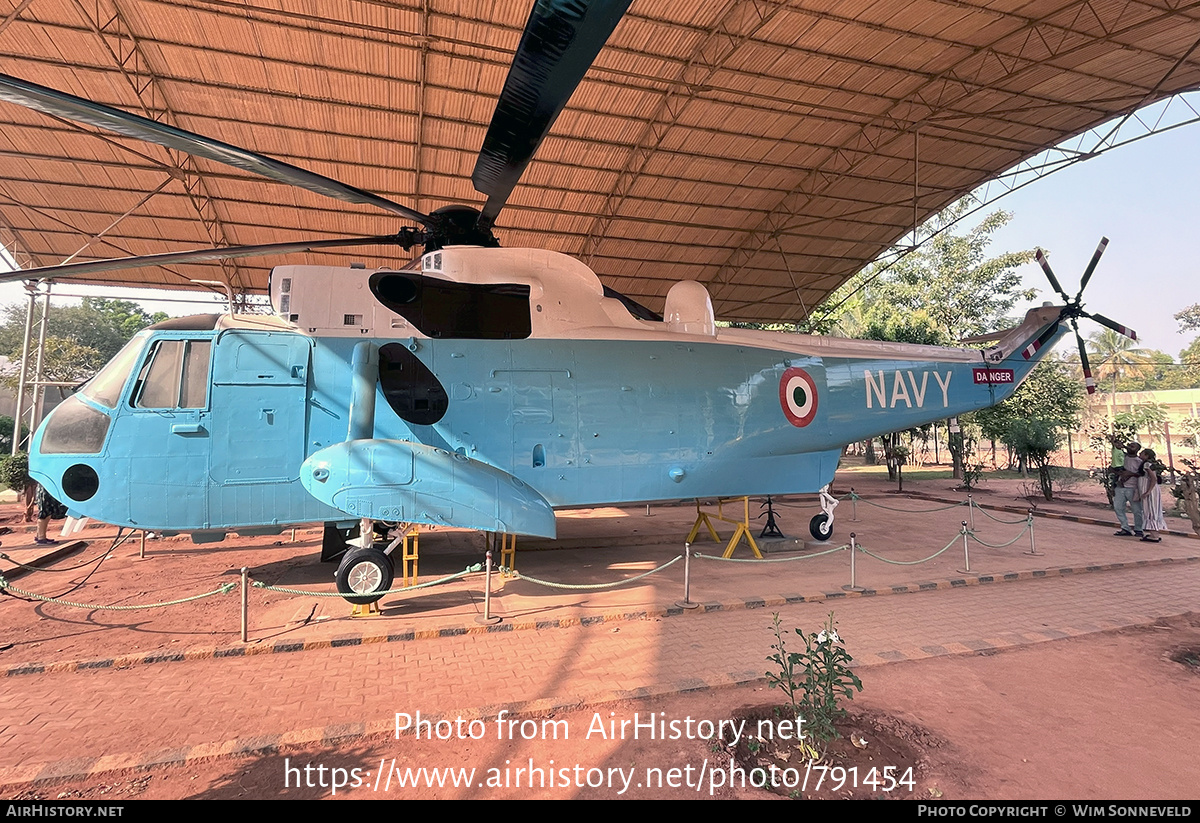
[(478, 386)]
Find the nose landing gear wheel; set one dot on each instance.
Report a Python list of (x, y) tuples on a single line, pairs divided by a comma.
[(821, 527), (362, 573)]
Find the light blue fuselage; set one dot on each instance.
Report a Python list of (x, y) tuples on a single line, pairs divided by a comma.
[(582, 422)]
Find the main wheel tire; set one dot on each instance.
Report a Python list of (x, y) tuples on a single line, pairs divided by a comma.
[(362, 573), (821, 527)]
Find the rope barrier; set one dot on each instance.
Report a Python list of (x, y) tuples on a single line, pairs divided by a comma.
[(593, 586), (224, 589), (768, 559), (258, 584), (912, 562), (1000, 520), (907, 511), (1020, 534)]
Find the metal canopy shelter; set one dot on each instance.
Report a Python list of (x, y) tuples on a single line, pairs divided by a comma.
[(767, 148)]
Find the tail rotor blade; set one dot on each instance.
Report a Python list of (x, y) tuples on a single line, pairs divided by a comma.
[(1045, 264), (1087, 275), (1030, 350), (1114, 325), (1089, 382)]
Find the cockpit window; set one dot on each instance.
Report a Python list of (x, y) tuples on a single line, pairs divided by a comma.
[(105, 387), (174, 376)]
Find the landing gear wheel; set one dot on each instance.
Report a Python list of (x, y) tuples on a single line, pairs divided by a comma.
[(821, 527), (362, 573)]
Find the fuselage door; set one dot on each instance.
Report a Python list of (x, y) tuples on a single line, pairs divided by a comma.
[(259, 394), (165, 428)]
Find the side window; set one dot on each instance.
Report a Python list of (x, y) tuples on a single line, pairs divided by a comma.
[(174, 376)]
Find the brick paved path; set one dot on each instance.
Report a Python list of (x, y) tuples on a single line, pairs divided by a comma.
[(76, 722)]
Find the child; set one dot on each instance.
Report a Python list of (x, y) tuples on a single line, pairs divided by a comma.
[(1150, 494)]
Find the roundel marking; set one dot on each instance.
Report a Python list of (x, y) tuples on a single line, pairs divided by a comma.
[(798, 396)]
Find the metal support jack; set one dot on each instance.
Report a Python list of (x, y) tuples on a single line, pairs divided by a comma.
[(742, 530), (771, 528)]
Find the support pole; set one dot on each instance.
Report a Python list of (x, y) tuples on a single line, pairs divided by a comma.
[(853, 587), (971, 508), (686, 602), (35, 405), (31, 289), (142, 551), (245, 604), (966, 551), (486, 619), (1032, 546)]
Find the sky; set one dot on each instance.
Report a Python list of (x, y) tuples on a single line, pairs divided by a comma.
[(1145, 197)]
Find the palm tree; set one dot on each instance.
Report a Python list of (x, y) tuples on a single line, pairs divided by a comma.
[(1114, 355)]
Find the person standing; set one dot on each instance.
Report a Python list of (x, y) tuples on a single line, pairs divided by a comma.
[(1125, 493), (1150, 495), (48, 509)]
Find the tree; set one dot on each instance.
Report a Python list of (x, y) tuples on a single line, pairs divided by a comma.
[(103, 326), (1114, 356), (949, 282), (1189, 318), (946, 290), (1034, 421), (79, 339)]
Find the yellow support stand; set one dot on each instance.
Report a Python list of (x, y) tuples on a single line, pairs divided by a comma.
[(365, 610), (409, 553), (743, 526), (508, 554)]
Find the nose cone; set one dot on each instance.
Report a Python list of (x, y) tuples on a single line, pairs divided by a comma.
[(65, 451)]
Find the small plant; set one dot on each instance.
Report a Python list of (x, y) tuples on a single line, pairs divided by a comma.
[(1187, 492), (972, 474), (816, 679), (14, 471)]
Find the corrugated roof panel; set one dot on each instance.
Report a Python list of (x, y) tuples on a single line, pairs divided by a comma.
[(699, 128)]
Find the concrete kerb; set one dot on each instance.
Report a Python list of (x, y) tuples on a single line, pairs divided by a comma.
[(740, 604)]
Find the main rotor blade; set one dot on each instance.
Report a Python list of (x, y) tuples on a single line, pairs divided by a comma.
[(1114, 325), (560, 41), (79, 110), (194, 256), (1089, 382), (1045, 264), (1087, 275)]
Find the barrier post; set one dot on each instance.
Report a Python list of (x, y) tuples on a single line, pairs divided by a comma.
[(853, 504), (486, 619), (971, 509), (1032, 546), (966, 551), (245, 604), (686, 602), (853, 587)]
